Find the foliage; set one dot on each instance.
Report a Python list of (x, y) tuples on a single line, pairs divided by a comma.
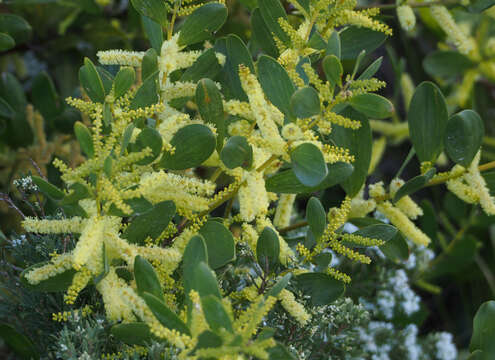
[(224, 187)]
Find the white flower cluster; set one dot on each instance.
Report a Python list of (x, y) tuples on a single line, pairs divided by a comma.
[(445, 348), (26, 184), (19, 241)]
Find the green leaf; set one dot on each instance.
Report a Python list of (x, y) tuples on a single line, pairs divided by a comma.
[(194, 253), (19, 343), (413, 185), (91, 81), (316, 217), (154, 9), (356, 39), (280, 352), (396, 249), (321, 288), (276, 84), (220, 244), (215, 314), (16, 27), (164, 315), (427, 117), (305, 102), (6, 42), (193, 145), (308, 164), (447, 64), (146, 278), (44, 96), (456, 259), (6, 110), (477, 355), (205, 66), (372, 105), (359, 144), (84, 138), (149, 64), (151, 138), (268, 249), (154, 32), (208, 339), (202, 23), (333, 45), (271, 11), (123, 81), (147, 94), (484, 330), (333, 70), (236, 53), (205, 281), (12, 92), (106, 266), (151, 223), (262, 35), (134, 333), (48, 189), (126, 138), (286, 181), (478, 6), (56, 283), (237, 152), (210, 106), (371, 70), (464, 136), (279, 286), (383, 232)]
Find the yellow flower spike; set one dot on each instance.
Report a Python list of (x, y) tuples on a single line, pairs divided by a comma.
[(253, 198), (120, 57), (72, 225), (402, 222), (445, 20), (405, 204), (261, 111), (377, 151), (56, 266), (338, 275), (249, 236), (295, 309), (284, 210), (239, 108), (79, 282), (116, 306), (406, 16), (90, 242)]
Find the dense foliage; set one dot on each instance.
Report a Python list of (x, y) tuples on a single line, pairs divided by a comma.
[(252, 179)]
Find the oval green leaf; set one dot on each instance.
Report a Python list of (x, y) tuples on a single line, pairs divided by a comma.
[(308, 164), (220, 244), (268, 249), (237, 152), (84, 138), (204, 21), (305, 102), (316, 217), (123, 81), (372, 105)]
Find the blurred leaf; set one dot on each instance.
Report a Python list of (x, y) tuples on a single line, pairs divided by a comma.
[(204, 21), (48, 189), (280, 352), (484, 330), (279, 286), (396, 249), (478, 6), (458, 256), (16, 27), (333, 45), (427, 117), (147, 94), (464, 136), (371, 70), (44, 96), (19, 343), (149, 64), (193, 145), (6, 42), (447, 63), (205, 66)]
